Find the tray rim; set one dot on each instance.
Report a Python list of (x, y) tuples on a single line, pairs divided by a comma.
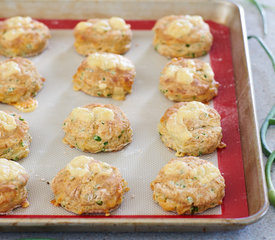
[(266, 205), (154, 223)]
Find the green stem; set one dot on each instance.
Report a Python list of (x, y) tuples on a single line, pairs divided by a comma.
[(267, 50), (262, 12), (271, 191), (271, 155), (268, 7), (265, 6), (267, 122)]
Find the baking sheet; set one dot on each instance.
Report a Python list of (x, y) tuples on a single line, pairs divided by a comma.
[(140, 162)]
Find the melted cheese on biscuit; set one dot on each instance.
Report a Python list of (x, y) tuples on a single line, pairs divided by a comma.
[(96, 114), (83, 25), (208, 71), (191, 63), (102, 168), (7, 121), (185, 75), (198, 114), (82, 165), (173, 168), (182, 74), (177, 128), (192, 111), (171, 70), (118, 23), (12, 34), (179, 28), (204, 173), (196, 20), (10, 170), (27, 105), (82, 114), (79, 166), (106, 61), (18, 21), (8, 69), (102, 26), (118, 91), (103, 114)]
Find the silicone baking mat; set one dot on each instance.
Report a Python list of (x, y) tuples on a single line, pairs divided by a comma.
[(140, 162)]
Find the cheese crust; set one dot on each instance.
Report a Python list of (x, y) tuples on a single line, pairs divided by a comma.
[(191, 128), (97, 128), (182, 36), (102, 35), (105, 75), (184, 80), (188, 185), (14, 136), (19, 83), (23, 36), (13, 180), (88, 186)]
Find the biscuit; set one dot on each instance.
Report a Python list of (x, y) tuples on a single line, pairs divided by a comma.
[(191, 128), (188, 185), (185, 80), (22, 36), (14, 136), (182, 36), (19, 83), (105, 75), (102, 35), (97, 128), (88, 186), (13, 180)]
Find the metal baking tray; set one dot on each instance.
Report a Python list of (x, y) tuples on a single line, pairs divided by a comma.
[(218, 11)]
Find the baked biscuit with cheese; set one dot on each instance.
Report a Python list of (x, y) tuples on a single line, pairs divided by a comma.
[(188, 185), (13, 180), (88, 186), (97, 128), (19, 83), (105, 75), (102, 35), (182, 36), (14, 136), (191, 128), (22, 36), (184, 80)]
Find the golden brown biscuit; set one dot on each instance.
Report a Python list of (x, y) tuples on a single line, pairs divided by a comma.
[(13, 180), (105, 75), (184, 80), (191, 128), (22, 36), (188, 185), (97, 128), (88, 186), (182, 36), (14, 136), (102, 35), (19, 83)]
